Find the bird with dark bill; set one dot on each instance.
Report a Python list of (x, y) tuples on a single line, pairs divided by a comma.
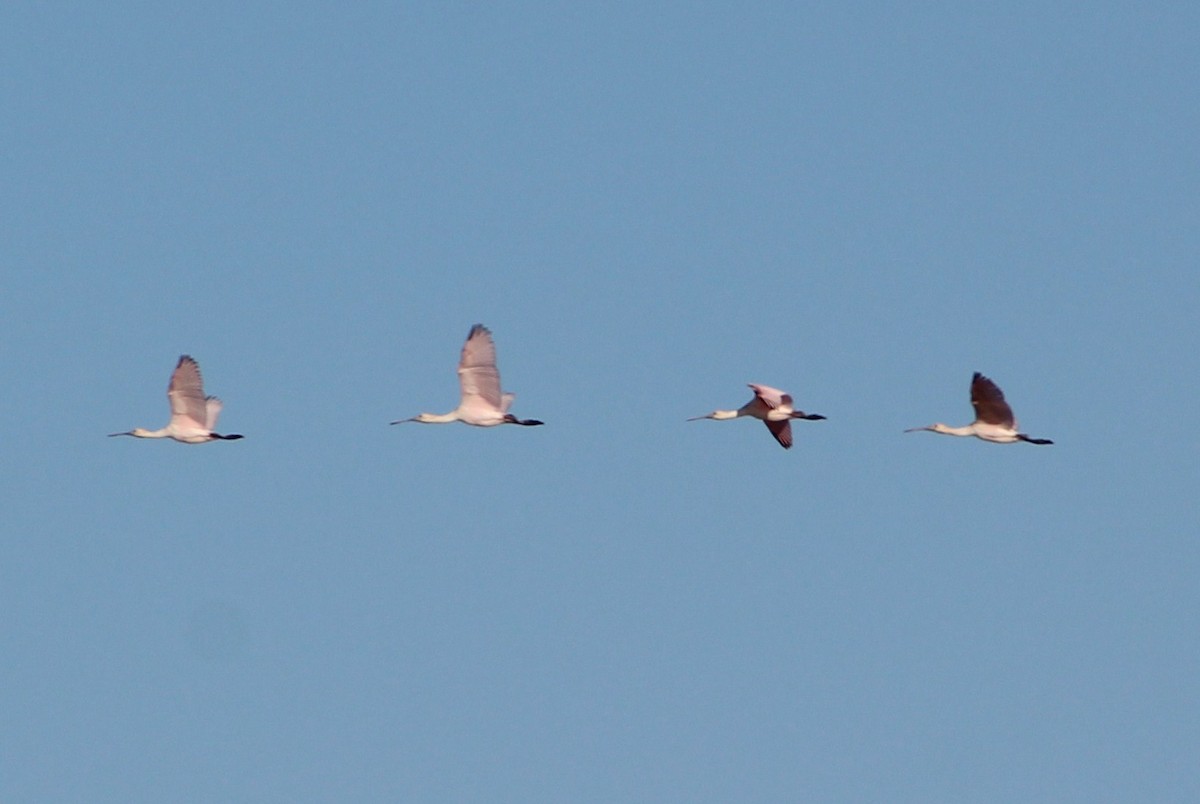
[(482, 404), (193, 415), (773, 407), (994, 420)]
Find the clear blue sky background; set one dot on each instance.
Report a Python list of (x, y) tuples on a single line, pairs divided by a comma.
[(650, 205)]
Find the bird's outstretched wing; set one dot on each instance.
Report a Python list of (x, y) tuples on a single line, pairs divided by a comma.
[(213, 410), (989, 404), (477, 372), (782, 431), (186, 394), (771, 397)]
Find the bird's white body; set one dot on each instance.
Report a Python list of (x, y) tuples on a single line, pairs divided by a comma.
[(184, 429), (193, 415), (994, 419), (995, 433), (770, 405), (482, 403)]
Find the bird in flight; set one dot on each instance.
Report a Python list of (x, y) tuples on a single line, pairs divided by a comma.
[(771, 405), (483, 404), (193, 415), (994, 420)]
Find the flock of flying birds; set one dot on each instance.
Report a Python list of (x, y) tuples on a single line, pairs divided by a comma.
[(483, 404)]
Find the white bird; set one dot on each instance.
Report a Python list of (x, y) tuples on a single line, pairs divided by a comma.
[(994, 420), (771, 405), (483, 404), (193, 415)]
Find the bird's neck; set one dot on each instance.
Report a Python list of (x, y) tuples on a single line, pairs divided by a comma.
[(726, 414), (437, 418), (142, 433), (945, 429)]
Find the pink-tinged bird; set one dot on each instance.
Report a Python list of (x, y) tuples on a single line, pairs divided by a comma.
[(994, 420), (483, 404), (771, 405), (193, 415)]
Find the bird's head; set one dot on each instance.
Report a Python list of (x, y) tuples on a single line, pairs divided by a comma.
[(716, 414), (420, 417), (137, 432), (933, 428)]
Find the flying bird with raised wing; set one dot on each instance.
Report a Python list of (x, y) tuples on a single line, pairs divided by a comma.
[(482, 404), (193, 415), (773, 407), (994, 420)]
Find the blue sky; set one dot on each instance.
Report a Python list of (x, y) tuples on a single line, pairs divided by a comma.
[(650, 206)]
